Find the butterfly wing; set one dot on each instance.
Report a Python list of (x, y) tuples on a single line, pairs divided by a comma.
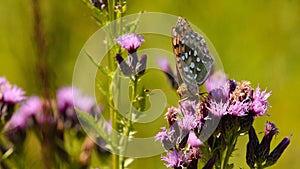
[(196, 58), (193, 61)]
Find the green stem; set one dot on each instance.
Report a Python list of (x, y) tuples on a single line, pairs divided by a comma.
[(129, 120), (113, 113), (113, 117), (229, 151)]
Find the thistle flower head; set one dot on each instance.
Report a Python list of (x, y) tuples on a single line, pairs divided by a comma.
[(68, 97), (13, 95), (215, 81), (18, 120), (260, 103), (130, 42), (85, 103), (238, 108), (174, 159), (271, 129), (242, 91), (217, 86), (193, 140), (28, 109), (164, 64), (162, 135), (4, 83), (193, 155), (171, 115), (263, 149), (65, 96), (218, 109), (187, 107), (187, 122), (31, 106)]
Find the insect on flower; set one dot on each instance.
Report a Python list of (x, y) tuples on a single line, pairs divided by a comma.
[(193, 61)]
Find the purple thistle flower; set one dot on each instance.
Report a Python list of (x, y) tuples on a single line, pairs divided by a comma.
[(168, 137), (45, 119), (65, 97), (174, 159), (217, 81), (188, 107), (3, 82), (163, 135), (260, 104), (85, 103), (31, 106), (271, 129), (18, 120), (193, 153), (171, 115), (193, 140), (187, 122), (130, 42), (264, 147), (164, 64), (13, 95), (218, 108), (238, 108)]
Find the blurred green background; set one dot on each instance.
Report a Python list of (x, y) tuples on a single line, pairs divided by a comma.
[(257, 41)]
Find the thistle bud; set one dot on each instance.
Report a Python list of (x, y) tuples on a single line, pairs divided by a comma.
[(210, 163), (141, 65), (124, 67), (277, 152), (164, 64), (251, 147), (253, 137), (263, 149), (250, 154), (132, 60)]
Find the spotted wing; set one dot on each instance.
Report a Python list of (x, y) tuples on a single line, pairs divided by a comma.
[(192, 56)]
